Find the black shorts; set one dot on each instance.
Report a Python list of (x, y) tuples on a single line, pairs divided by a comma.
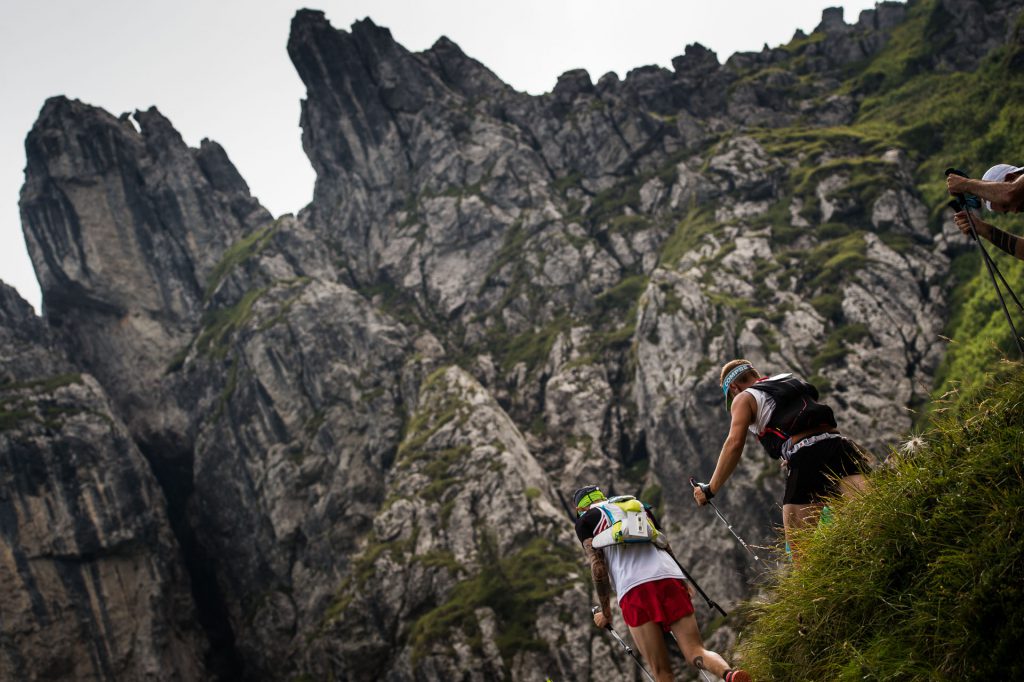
[(815, 470)]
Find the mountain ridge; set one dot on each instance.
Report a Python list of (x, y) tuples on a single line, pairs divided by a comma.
[(492, 297)]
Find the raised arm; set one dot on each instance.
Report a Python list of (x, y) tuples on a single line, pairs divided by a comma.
[(1010, 193)]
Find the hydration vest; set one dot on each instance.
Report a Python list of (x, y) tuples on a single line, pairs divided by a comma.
[(625, 521), (796, 410)]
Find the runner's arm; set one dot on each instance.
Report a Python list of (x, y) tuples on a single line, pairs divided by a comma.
[(743, 411), (1004, 193), (599, 572), (1010, 243)]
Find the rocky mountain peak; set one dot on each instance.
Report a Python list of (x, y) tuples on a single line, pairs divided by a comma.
[(125, 226), (695, 58), (358, 419), (86, 545), (461, 72), (831, 20)]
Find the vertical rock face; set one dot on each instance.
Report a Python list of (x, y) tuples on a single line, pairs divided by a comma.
[(362, 416), (124, 226), (290, 465), (90, 576)]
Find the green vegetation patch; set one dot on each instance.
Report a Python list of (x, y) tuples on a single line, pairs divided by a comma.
[(441, 406), (443, 468), (43, 385), (836, 347), (614, 316), (813, 142), (923, 578), (220, 324), (833, 262), (514, 586), (239, 252), (981, 336), (11, 418), (396, 302), (830, 306), (928, 30), (530, 347), (363, 570), (689, 231), (16, 407)]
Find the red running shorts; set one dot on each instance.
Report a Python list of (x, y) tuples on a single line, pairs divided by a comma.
[(664, 601)]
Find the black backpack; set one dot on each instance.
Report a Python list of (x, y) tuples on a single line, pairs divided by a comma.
[(796, 410)]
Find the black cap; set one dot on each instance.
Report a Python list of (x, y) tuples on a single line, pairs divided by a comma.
[(583, 492)]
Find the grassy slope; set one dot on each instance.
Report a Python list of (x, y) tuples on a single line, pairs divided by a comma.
[(923, 578)]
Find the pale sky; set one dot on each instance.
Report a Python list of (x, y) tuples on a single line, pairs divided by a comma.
[(220, 69)]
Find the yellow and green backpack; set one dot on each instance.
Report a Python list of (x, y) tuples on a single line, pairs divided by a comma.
[(627, 523)]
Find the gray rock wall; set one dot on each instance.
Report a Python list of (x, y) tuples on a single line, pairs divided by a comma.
[(354, 424), (91, 579)]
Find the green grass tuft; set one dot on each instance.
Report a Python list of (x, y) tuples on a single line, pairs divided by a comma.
[(239, 252), (922, 578), (514, 586)]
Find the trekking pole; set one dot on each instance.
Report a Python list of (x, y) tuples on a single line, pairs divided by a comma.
[(700, 668), (622, 642), (686, 574), (993, 270), (961, 203), (693, 483)]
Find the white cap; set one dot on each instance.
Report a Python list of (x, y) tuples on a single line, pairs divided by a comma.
[(998, 173)]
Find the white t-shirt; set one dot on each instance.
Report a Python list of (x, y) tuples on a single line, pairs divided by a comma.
[(637, 563), (632, 564)]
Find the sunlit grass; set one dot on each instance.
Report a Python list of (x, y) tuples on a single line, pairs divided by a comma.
[(922, 578)]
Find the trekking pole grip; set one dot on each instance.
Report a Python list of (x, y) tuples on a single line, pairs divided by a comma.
[(594, 611)]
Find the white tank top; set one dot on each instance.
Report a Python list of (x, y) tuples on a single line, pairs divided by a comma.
[(765, 407)]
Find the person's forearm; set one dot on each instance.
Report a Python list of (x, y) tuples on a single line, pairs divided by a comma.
[(727, 462), (996, 192), (599, 573), (1009, 243), (983, 229)]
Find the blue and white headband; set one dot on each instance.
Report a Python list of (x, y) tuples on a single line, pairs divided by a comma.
[(730, 377)]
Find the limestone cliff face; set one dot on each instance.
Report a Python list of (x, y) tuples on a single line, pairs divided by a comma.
[(124, 224), (362, 416), (91, 578)]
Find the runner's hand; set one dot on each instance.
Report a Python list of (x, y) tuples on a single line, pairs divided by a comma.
[(964, 223), (601, 620), (956, 184), (701, 497)]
